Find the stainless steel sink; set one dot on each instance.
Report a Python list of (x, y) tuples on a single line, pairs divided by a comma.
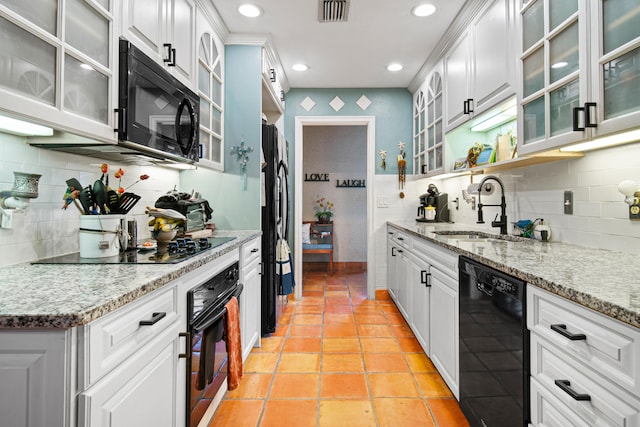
[(476, 236)]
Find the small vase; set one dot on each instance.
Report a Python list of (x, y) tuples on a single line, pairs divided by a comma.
[(324, 219)]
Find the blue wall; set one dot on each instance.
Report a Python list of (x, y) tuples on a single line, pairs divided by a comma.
[(392, 109), (235, 209)]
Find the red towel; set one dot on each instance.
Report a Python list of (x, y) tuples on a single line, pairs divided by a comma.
[(234, 345)]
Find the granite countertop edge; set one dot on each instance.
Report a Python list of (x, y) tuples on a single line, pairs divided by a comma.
[(594, 300), (80, 317)]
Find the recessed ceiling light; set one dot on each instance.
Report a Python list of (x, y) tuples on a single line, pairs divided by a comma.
[(560, 64), (394, 67), (249, 10), (300, 67), (424, 10)]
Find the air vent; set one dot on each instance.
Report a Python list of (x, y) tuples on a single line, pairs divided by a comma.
[(333, 10)]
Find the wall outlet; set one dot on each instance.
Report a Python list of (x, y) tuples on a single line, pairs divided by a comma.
[(568, 202), (383, 201)]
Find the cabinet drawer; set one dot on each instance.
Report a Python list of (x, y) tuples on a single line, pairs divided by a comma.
[(250, 252), (441, 258), (608, 346), (116, 336), (604, 404), (547, 411)]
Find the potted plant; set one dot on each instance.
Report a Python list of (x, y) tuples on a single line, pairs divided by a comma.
[(323, 210)]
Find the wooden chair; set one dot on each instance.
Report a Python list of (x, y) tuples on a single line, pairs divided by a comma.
[(321, 236)]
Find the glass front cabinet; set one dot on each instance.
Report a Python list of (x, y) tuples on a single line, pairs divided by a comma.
[(428, 139), (57, 63), (580, 68)]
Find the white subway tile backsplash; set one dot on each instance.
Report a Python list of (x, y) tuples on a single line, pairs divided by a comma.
[(600, 217), (49, 230)]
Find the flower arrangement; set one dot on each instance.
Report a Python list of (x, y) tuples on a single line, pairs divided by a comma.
[(323, 209)]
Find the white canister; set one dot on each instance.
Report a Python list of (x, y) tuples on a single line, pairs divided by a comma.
[(100, 235)]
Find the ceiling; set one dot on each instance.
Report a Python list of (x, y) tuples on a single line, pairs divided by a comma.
[(347, 54)]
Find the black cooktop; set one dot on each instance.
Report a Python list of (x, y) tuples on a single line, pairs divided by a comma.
[(178, 250)]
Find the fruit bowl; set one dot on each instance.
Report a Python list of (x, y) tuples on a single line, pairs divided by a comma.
[(164, 236)]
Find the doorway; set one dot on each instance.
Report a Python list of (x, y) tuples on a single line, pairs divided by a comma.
[(369, 124)]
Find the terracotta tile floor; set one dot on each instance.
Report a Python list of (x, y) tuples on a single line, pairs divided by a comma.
[(338, 359)]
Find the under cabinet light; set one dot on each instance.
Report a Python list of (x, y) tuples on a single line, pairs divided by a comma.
[(300, 67), (607, 141), (498, 119), (22, 128), (394, 67)]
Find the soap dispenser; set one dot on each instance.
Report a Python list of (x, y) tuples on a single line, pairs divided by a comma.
[(542, 231)]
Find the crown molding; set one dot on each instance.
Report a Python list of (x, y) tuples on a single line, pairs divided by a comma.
[(211, 13), (460, 24)]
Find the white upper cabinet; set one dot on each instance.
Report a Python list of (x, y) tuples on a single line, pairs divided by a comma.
[(164, 30), (210, 54), (428, 139), (580, 74), (479, 68), (57, 66), (616, 65)]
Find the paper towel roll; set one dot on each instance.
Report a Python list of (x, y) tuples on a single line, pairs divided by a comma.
[(487, 188)]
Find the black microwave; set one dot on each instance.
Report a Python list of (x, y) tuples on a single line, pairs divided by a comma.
[(157, 113)]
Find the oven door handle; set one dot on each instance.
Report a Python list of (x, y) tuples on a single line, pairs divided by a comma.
[(187, 354)]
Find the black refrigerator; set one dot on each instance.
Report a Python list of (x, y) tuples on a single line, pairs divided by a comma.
[(275, 222)]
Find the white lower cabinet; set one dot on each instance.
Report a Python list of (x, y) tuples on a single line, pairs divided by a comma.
[(584, 365), (444, 327), (144, 390), (422, 280), (36, 378), (420, 284), (250, 299)]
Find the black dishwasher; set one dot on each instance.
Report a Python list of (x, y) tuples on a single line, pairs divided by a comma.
[(494, 347)]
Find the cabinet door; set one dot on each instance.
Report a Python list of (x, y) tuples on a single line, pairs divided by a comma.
[(181, 35), (457, 76), (419, 282), (615, 41), (250, 308), (146, 390), (392, 282), (555, 76), (404, 291), (34, 377), (142, 22), (444, 328), (493, 56)]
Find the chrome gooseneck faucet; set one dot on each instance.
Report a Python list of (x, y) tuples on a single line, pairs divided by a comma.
[(502, 222)]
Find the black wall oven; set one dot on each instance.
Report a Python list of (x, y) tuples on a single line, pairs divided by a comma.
[(207, 358), (157, 114), (494, 347)]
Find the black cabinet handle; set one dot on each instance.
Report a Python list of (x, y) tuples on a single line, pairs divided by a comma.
[(469, 105), (254, 250), (400, 238), (155, 318), (565, 385), (562, 330), (400, 251), (424, 278), (187, 353), (167, 58), (576, 119), (390, 232), (393, 251), (587, 115), (465, 107)]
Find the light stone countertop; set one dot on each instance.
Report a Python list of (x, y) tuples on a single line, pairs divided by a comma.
[(603, 280), (67, 295)]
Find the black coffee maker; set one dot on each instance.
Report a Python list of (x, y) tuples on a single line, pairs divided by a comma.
[(433, 200)]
